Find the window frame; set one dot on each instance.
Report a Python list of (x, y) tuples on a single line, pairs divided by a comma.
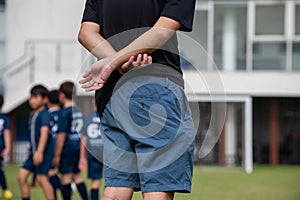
[(288, 37), (297, 36), (210, 32)]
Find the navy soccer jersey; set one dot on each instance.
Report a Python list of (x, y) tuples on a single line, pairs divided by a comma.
[(54, 118), (37, 121), (94, 143), (4, 125), (71, 123)]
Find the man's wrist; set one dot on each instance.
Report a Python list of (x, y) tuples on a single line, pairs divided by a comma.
[(39, 152), (115, 61), (56, 155), (82, 158)]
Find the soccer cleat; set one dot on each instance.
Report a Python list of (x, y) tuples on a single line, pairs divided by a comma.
[(8, 195)]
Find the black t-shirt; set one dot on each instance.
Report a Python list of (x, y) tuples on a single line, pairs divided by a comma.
[(122, 21)]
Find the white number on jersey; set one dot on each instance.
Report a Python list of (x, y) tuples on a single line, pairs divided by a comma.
[(77, 125), (93, 131)]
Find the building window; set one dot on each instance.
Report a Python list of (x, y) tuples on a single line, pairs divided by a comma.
[(269, 56), (1, 53), (269, 20), (271, 35), (297, 20), (196, 53), (296, 56), (230, 30), (199, 32), (251, 35)]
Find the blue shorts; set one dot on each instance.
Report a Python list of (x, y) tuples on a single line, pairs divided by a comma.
[(69, 160), (42, 168), (95, 167), (148, 136)]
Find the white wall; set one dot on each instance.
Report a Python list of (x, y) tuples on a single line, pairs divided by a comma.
[(2, 25), (40, 19), (44, 23), (259, 84), (2, 36)]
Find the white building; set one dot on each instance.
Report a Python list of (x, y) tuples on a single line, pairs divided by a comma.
[(249, 67)]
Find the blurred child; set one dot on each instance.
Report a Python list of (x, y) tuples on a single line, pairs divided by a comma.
[(5, 142), (39, 160), (54, 111), (67, 147), (91, 152)]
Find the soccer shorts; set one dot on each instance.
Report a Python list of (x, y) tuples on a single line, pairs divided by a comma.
[(95, 167), (69, 160), (42, 168)]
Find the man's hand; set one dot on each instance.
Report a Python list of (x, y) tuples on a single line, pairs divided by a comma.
[(4, 152), (98, 73), (83, 165), (37, 158), (56, 161), (141, 60)]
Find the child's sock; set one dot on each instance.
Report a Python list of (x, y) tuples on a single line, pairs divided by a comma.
[(55, 182), (66, 192), (94, 194), (82, 190), (2, 180)]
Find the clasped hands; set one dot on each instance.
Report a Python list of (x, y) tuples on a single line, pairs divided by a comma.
[(98, 73)]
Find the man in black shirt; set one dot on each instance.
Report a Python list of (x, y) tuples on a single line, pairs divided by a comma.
[(118, 32)]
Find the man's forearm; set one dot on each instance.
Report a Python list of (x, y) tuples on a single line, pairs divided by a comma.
[(83, 150), (7, 139), (43, 139), (60, 140), (97, 74), (148, 42), (90, 38)]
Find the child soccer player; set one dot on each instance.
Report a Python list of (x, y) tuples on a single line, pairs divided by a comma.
[(67, 147), (4, 148), (91, 150), (54, 110), (39, 160)]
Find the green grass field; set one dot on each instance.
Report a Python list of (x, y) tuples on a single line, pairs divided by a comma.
[(217, 183)]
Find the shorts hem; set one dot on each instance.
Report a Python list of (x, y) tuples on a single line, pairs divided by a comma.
[(166, 188), (35, 171), (94, 177), (125, 184)]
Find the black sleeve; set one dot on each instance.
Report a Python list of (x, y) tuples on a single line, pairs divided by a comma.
[(181, 11), (91, 12)]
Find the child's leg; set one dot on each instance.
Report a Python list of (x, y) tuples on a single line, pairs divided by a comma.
[(54, 181), (46, 186), (66, 180), (2, 179), (95, 174), (80, 186), (22, 180), (95, 185)]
